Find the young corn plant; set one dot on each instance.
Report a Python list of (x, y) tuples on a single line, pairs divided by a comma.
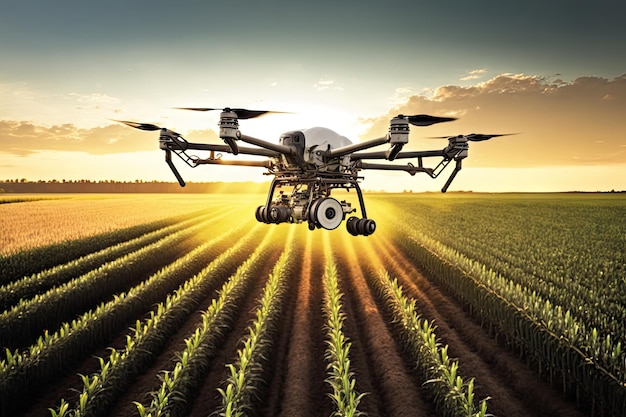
[(246, 374), (533, 325), (174, 396), (340, 379), (453, 396), (52, 352), (21, 324), (149, 337), (31, 285)]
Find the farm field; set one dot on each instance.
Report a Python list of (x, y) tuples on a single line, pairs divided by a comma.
[(186, 305)]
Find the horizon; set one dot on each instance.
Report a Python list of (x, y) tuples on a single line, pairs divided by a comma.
[(258, 186)]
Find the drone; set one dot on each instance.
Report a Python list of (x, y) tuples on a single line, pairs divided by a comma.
[(308, 164)]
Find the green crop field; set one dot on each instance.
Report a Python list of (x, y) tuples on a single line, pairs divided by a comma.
[(458, 305)]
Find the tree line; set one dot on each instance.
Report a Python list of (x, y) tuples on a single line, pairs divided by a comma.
[(138, 186)]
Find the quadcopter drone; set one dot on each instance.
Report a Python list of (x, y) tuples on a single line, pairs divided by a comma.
[(310, 163)]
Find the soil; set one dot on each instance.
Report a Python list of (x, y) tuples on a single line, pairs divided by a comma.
[(295, 375)]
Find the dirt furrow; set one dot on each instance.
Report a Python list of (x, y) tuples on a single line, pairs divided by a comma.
[(150, 380), (393, 386), (514, 389), (69, 384), (276, 367), (303, 389), (208, 398)]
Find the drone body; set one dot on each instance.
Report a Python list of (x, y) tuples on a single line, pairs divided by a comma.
[(308, 164)]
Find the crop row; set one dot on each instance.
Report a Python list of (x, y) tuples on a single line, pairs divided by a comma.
[(24, 321), (42, 223), (453, 396), (31, 261), (20, 199), (179, 385), (102, 390), (246, 375), (23, 373), (530, 325), (569, 251), (37, 283), (340, 377), (571, 275)]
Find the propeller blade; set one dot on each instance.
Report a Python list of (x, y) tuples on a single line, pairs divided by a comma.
[(478, 137), (250, 114), (426, 120), (474, 137), (241, 113), (140, 126), (196, 108)]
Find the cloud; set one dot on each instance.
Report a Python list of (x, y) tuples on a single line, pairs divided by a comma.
[(326, 85), (24, 138), (93, 98), (400, 95), (474, 74), (580, 122)]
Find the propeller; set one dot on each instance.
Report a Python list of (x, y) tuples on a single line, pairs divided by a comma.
[(425, 119), (140, 126), (475, 137), (241, 113)]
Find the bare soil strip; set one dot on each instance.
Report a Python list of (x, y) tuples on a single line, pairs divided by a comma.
[(275, 369), (393, 385), (514, 389), (69, 385), (208, 398), (304, 391), (150, 381), (296, 372)]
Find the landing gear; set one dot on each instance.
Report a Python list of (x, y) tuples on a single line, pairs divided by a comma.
[(358, 226)]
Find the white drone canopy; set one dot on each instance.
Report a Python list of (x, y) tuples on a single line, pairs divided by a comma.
[(324, 138), (319, 140)]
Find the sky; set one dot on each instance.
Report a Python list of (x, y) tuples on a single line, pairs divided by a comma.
[(552, 72)]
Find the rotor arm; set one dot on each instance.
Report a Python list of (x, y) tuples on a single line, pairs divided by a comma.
[(344, 150), (227, 149), (173, 142), (281, 149), (180, 147), (410, 168), (218, 161), (401, 155)]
